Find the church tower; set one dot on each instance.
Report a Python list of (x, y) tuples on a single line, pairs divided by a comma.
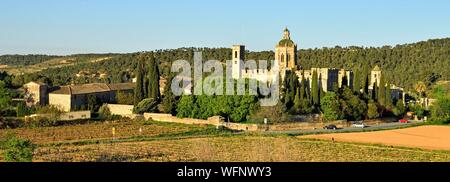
[(286, 52), (238, 53), (375, 75)]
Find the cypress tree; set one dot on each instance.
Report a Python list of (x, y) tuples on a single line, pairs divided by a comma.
[(374, 91), (169, 100), (297, 101), (303, 89), (356, 82), (315, 89), (365, 84), (389, 103), (382, 92), (344, 81), (139, 89), (153, 77)]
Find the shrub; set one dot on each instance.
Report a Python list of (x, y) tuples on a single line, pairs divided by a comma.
[(18, 150), (331, 107), (104, 112), (372, 110), (146, 105), (124, 98), (440, 111)]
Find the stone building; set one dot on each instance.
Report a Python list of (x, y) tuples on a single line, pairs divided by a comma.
[(74, 97), (286, 52), (286, 57), (327, 77), (375, 76), (36, 93), (397, 93)]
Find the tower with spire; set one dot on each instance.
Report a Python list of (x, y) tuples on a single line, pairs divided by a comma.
[(286, 52)]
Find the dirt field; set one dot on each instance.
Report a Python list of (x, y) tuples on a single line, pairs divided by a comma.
[(42, 135), (236, 149), (425, 137), (177, 142)]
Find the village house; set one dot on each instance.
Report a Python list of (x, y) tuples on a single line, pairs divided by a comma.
[(73, 97)]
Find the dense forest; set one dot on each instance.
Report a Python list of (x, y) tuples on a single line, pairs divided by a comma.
[(24, 60), (403, 65)]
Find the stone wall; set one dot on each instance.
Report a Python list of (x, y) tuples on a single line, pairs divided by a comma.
[(120, 110), (61, 101), (68, 116), (215, 120), (75, 115)]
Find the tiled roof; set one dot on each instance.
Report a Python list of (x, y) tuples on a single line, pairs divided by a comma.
[(92, 88)]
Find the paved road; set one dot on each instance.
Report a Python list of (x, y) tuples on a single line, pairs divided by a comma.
[(382, 126)]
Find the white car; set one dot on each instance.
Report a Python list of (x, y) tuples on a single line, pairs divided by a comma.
[(359, 125)]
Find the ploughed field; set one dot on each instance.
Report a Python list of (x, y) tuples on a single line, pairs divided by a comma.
[(98, 131), (178, 142), (425, 137)]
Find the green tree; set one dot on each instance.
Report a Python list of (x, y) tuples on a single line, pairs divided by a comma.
[(186, 107), (139, 89), (382, 92), (440, 111), (146, 105), (124, 98), (104, 112), (388, 99), (21, 110), (297, 102), (18, 150), (356, 82), (169, 100), (331, 107), (352, 106), (315, 89), (92, 102), (399, 109), (5, 96), (372, 110), (153, 77)]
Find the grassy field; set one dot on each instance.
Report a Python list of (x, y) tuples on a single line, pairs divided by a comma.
[(178, 142)]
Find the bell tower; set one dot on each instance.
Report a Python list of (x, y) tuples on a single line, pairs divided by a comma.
[(238, 57), (286, 52)]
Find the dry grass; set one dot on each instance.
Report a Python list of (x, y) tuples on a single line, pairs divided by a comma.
[(43, 135), (177, 142), (241, 148)]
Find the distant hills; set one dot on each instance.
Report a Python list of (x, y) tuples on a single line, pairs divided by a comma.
[(403, 65)]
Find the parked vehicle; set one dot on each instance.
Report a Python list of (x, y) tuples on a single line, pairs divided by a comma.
[(358, 125), (403, 121), (330, 127)]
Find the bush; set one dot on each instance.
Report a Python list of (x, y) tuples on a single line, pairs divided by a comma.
[(372, 110), (399, 110), (331, 107), (440, 111), (104, 112), (18, 150), (124, 98), (274, 114), (146, 105)]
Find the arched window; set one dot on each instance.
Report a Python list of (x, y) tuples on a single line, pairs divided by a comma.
[(282, 58), (235, 54)]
